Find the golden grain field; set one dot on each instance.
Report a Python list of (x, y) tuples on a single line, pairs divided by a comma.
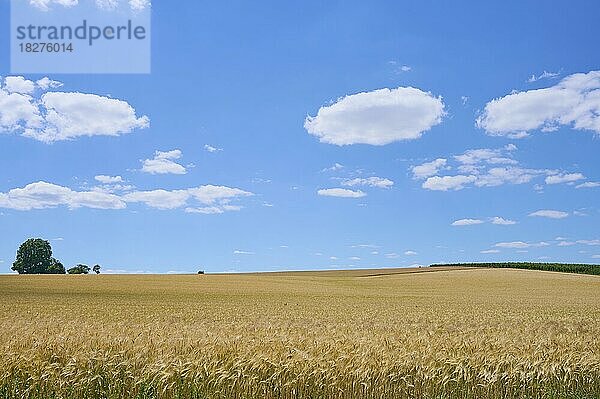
[(478, 333)]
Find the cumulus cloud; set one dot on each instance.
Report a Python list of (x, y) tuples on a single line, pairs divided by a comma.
[(428, 169), (564, 178), (216, 197), (42, 195), (57, 116), (18, 84), (410, 253), (446, 183), (501, 221), (164, 163), (521, 244), (210, 148), (377, 117), (573, 102), (341, 192), (369, 181), (484, 167), (46, 83), (490, 251), (203, 199), (547, 213), (108, 179), (467, 222)]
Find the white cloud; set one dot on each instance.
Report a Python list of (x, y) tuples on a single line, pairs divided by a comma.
[(405, 68), (566, 243), (42, 195), (564, 178), (108, 179), (135, 5), (490, 251), (467, 222), (163, 163), (489, 156), (240, 252), (410, 253), (57, 116), (210, 148), (138, 5), (18, 84), (107, 4), (520, 244), (44, 5), (501, 221), (341, 192), (334, 168), (213, 210), (507, 175), (377, 117), (485, 167), (589, 184), (160, 199), (392, 255), (547, 213), (445, 183), (588, 242), (574, 102), (72, 115), (217, 197), (369, 181), (18, 112), (428, 169), (543, 75), (464, 100), (46, 83)]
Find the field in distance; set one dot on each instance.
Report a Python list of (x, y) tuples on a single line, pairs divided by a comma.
[(387, 333)]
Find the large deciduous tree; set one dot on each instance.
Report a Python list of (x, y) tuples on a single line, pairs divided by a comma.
[(34, 256)]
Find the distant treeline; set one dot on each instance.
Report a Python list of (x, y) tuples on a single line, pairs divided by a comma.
[(550, 267)]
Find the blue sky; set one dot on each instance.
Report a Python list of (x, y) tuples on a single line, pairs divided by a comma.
[(285, 136)]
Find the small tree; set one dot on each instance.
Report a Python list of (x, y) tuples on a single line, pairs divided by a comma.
[(34, 256), (56, 267), (96, 269), (79, 269)]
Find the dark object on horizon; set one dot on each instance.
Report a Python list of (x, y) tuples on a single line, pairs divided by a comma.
[(96, 269), (549, 267), (79, 269), (200, 271), (34, 256)]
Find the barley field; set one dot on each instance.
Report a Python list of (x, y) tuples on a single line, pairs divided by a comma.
[(414, 333)]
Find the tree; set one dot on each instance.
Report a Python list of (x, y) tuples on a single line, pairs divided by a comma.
[(34, 256), (79, 269), (96, 269), (56, 267)]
